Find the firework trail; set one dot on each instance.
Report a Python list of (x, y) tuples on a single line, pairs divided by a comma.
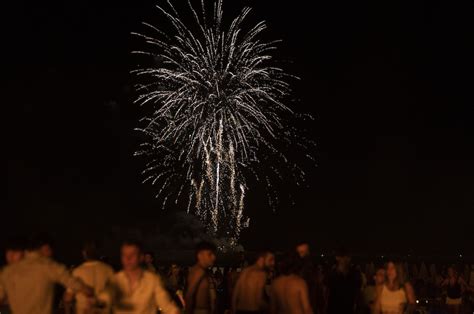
[(215, 113)]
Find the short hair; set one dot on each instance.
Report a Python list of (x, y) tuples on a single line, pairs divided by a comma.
[(302, 242), (36, 241), (90, 250), (16, 244), (263, 254), (133, 242), (342, 251), (293, 265), (149, 253), (205, 246)]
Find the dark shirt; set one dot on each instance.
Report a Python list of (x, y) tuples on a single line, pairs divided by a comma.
[(343, 292)]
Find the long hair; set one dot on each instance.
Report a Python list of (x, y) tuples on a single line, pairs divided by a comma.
[(401, 277)]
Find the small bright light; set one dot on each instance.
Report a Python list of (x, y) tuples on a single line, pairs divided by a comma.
[(460, 255), (322, 255), (417, 301), (426, 301)]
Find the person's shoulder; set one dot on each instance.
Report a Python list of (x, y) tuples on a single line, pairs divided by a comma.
[(149, 274), (105, 266), (5, 271), (120, 274), (196, 271), (298, 280)]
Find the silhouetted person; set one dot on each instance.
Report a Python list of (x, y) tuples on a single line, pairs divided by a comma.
[(200, 296), (92, 272), (149, 261), (302, 249), (249, 295), (455, 288), (29, 283), (310, 273), (369, 295), (14, 252), (289, 292), (344, 285)]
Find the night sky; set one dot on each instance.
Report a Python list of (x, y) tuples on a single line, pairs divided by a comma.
[(389, 84)]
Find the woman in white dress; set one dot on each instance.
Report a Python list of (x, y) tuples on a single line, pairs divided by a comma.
[(396, 296)]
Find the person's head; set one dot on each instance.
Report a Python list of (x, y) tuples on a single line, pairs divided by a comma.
[(343, 258), (131, 255), (205, 254), (266, 260), (149, 259), (452, 272), (394, 273), (89, 251), (15, 250), (42, 244), (303, 249), (379, 277), (174, 269), (292, 265)]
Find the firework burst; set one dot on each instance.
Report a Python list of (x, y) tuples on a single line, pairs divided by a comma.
[(216, 106)]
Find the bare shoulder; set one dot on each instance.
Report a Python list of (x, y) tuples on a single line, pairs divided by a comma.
[(408, 286), (298, 282), (195, 273)]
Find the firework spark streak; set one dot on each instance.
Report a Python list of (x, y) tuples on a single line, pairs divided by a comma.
[(216, 106)]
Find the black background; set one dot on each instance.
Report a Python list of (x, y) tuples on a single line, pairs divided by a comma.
[(389, 83)]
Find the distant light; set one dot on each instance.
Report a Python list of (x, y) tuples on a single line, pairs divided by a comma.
[(417, 301), (426, 301), (322, 255), (460, 255), (382, 256)]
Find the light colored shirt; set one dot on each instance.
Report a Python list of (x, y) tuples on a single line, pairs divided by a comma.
[(96, 275), (29, 284), (145, 297), (393, 302)]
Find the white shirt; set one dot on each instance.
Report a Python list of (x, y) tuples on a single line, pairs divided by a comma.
[(96, 275), (29, 284), (146, 297)]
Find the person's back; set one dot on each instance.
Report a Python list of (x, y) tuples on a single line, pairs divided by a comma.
[(29, 284), (290, 296), (95, 274), (250, 295), (249, 291)]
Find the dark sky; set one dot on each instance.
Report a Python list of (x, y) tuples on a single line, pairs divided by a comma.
[(390, 85)]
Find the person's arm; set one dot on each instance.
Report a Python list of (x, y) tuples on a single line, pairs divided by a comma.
[(376, 308), (463, 285), (304, 298), (162, 298), (68, 299), (60, 274), (410, 292), (194, 279), (235, 295), (273, 301), (444, 282), (3, 294)]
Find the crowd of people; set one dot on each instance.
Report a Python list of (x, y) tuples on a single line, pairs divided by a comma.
[(292, 283)]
